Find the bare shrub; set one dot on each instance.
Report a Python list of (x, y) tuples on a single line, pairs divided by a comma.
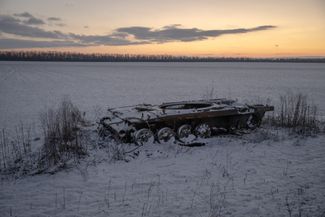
[(61, 131), (298, 202), (64, 139), (117, 152), (5, 153), (15, 149), (217, 201), (296, 112), (209, 93)]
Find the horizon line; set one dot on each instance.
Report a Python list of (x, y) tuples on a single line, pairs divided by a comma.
[(165, 55)]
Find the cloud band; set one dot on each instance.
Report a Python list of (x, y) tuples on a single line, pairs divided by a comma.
[(28, 26)]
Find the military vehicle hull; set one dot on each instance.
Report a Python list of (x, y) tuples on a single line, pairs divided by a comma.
[(180, 120)]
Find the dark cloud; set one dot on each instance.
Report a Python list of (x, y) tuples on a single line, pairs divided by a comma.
[(174, 33), (22, 25), (113, 40), (25, 15), (145, 35), (55, 19), (19, 43), (172, 26), (60, 24), (139, 32), (12, 25), (34, 21), (29, 19)]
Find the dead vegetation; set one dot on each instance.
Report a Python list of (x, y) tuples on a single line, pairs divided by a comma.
[(63, 140), (209, 93), (61, 133), (296, 112), (15, 151)]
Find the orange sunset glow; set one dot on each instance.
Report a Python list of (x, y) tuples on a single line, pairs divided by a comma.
[(250, 28)]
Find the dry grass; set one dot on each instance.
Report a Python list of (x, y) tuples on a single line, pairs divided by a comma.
[(209, 92), (61, 132), (296, 112), (15, 148), (63, 140)]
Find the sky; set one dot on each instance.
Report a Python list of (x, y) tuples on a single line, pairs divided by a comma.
[(236, 28)]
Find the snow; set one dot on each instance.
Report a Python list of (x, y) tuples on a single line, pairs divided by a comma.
[(266, 173), (27, 88), (230, 176)]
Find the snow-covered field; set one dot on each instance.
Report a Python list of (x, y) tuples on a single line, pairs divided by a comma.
[(26, 88), (265, 173), (256, 175)]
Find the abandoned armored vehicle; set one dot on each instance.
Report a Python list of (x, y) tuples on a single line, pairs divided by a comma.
[(181, 121)]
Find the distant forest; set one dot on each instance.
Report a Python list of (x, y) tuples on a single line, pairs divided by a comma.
[(97, 57)]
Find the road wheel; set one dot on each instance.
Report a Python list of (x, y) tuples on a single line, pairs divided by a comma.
[(143, 136), (184, 133), (165, 135), (202, 131)]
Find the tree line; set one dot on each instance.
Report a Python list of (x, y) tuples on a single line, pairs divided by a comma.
[(99, 57)]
